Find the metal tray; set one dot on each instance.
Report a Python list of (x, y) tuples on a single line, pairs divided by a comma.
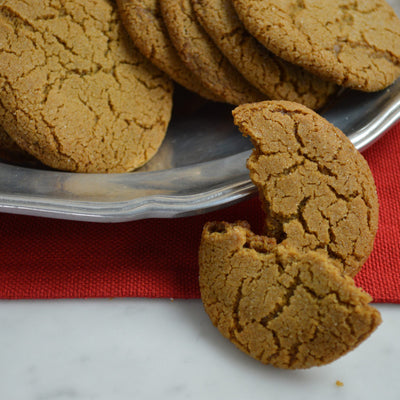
[(200, 166)]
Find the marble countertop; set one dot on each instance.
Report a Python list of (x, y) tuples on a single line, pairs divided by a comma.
[(117, 349)]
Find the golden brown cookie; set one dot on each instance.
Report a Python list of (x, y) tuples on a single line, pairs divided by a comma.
[(276, 78), (282, 307), (143, 21), (353, 43), (317, 190), (75, 93), (202, 57)]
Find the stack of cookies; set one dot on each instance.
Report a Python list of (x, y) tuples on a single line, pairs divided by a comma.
[(246, 51), (86, 86)]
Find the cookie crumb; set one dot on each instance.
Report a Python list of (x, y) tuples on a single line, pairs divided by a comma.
[(339, 383)]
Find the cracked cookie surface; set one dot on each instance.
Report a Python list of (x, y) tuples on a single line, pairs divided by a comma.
[(202, 57), (276, 78), (282, 307), (143, 21), (75, 93), (316, 189), (353, 43)]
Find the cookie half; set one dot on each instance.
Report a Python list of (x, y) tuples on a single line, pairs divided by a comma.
[(355, 44), (283, 308), (276, 78), (143, 21), (317, 190), (75, 93), (199, 53)]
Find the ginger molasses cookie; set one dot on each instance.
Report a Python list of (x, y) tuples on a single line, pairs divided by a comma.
[(75, 93), (143, 21), (355, 44), (276, 78), (202, 57), (282, 307), (317, 190)]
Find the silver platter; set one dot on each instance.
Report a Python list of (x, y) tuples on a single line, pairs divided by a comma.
[(200, 166)]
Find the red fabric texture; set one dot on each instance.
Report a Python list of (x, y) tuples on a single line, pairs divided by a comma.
[(49, 258)]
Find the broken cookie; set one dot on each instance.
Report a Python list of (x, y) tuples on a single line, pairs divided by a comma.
[(317, 190), (282, 307)]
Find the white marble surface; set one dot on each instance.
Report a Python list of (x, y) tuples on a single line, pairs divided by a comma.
[(150, 349)]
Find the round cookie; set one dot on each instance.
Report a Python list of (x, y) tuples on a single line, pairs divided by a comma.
[(75, 93), (317, 190), (143, 21), (202, 57), (276, 78), (355, 44), (280, 306)]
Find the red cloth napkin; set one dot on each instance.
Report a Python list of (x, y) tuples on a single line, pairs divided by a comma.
[(48, 258)]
